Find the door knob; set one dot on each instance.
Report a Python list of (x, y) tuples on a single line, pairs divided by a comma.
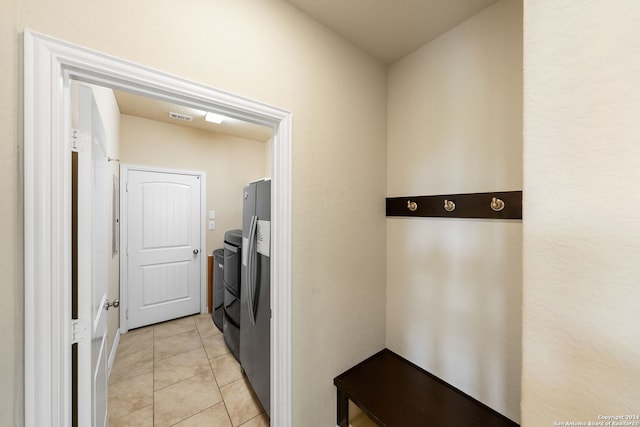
[(114, 304), (195, 252)]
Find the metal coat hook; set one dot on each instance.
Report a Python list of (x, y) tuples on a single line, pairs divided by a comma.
[(449, 206), (412, 206), (497, 204)]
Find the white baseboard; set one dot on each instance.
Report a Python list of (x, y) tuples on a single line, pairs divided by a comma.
[(114, 348)]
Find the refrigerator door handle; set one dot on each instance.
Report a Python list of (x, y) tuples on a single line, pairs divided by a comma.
[(251, 269)]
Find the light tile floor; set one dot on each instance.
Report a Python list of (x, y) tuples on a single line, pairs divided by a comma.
[(180, 373)]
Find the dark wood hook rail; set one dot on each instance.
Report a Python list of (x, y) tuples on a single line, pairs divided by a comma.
[(496, 205)]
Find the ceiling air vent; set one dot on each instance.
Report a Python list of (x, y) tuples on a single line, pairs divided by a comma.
[(179, 116)]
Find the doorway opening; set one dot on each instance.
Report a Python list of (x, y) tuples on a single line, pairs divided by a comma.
[(50, 65)]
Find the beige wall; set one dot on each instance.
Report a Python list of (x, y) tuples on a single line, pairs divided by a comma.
[(454, 286), (230, 163), (11, 303), (270, 52), (581, 232)]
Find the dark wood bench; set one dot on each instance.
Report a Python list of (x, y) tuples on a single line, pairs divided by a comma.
[(394, 392)]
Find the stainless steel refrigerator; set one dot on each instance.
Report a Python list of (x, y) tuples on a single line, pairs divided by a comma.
[(255, 311)]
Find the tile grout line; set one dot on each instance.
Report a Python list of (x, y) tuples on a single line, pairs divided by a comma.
[(202, 344), (214, 377)]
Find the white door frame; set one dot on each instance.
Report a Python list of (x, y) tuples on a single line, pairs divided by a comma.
[(124, 236), (49, 64)]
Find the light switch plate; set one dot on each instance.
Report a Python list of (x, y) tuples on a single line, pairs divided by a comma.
[(212, 225), (212, 214)]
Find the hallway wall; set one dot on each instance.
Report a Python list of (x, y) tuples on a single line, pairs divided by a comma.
[(12, 302), (454, 286), (581, 232), (270, 52)]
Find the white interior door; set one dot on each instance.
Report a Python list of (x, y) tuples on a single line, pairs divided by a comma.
[(163, 220), (92, 266)]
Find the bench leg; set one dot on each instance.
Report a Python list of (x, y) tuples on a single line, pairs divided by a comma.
[(343, 410)]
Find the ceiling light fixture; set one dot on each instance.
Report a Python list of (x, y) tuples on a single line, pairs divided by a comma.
[(214, 118)]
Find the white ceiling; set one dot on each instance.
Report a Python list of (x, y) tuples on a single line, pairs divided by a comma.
[(152, 109), (387, 29), (390, 29)]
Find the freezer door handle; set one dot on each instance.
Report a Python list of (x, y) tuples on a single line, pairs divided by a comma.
[(251, 269)]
